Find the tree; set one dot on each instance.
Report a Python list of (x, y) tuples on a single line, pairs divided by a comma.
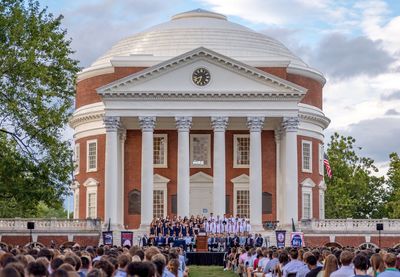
[(353, 191), (36, 96), (393, 183)]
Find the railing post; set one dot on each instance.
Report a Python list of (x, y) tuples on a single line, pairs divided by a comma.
[(349, 224)]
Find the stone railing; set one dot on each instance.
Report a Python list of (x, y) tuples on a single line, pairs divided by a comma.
[(349, 225), (50, 225)]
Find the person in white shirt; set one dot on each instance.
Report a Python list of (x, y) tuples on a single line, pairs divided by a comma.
[(346, 270)]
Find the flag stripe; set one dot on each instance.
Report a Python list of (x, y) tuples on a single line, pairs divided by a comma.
[(327, 166)]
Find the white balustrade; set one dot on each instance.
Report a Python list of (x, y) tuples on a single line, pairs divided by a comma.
[(349, 225), (50, 225)]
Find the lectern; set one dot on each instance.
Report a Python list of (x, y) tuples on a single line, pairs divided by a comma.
[(201, 242)]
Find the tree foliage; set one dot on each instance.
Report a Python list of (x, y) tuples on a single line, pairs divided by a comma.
[(393, 182), (36, 97), (354, 191)]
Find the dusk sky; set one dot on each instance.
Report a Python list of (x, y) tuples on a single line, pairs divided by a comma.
[(356, 44)]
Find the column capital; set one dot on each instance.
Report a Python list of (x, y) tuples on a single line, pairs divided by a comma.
[(183, 123), (278, 135), (122, 135), (290, 124), (147, 123), (112, 123), (219, 123), (255, 123)]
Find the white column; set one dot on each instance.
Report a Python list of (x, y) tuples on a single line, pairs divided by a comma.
[(290, 178), (121, 187), (112, 171), (255, 125), (279, 192), (183, 125), (219, 124), (147, 123)]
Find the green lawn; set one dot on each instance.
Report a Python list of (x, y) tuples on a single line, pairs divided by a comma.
[(209, 271)]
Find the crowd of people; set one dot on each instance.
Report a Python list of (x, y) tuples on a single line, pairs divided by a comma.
[(151, 261), (224, 232), (100, 261), (317, 262)]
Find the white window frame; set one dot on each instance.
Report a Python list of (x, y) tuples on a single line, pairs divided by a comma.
[(307, 188), (160, 183), (235, 146), (321, 159), (165, 163), (208, 164), (241, 182), (303, 142), (87, 155), (77, 158), (91, 187)]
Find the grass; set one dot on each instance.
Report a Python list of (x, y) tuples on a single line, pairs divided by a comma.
[(209, 271)]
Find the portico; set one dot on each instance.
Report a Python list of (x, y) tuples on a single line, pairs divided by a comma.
[(251, 102)]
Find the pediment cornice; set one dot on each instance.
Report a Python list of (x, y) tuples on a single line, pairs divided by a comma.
[(275, 87)]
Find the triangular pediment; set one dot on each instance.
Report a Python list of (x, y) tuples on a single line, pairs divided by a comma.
[(201, 177), (157, 178), (244, 178), (228, 78)]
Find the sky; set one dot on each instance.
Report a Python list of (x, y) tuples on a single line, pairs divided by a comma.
[(355, 43)]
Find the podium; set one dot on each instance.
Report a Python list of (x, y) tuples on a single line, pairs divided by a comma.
[(201, 242)]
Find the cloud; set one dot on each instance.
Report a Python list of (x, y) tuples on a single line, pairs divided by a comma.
[(344, 57), (392, 112), (96, 25), (377, 137), (391, 96)]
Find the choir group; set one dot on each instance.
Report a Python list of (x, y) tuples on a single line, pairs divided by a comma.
[(224, 232)]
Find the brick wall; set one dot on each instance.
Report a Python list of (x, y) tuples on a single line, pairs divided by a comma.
[(314, 176), (97, 175)]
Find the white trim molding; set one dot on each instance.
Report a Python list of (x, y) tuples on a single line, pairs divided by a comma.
[(160, 183), (235, 148), (94, 169), (165, 154), (241, 182), (303, 168), (306, 189), (91, 188), (208, 163), (279, 88)]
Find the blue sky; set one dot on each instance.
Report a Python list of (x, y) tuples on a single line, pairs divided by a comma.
[(355, 43)]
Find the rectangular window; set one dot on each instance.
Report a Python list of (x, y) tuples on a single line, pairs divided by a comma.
[(307, 156), (160, 150), (321, 159), (92, 205), (77, 158), (321, 206), (158, 203), (200, 155), (243, 203), (306, 205), (241, 151), (92, 155)]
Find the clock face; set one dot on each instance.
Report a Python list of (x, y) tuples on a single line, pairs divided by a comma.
[(201, 76)]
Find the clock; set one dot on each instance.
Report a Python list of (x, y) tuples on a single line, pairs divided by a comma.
[(201, 76)]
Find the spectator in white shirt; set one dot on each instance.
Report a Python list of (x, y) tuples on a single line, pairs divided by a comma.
[(346, 270)]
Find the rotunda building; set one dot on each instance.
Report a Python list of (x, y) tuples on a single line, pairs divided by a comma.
[(194, 116)]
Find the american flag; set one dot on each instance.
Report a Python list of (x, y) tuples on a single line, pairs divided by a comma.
[(327, 166)]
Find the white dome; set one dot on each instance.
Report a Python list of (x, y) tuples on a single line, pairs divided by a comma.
[(199, 28)]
